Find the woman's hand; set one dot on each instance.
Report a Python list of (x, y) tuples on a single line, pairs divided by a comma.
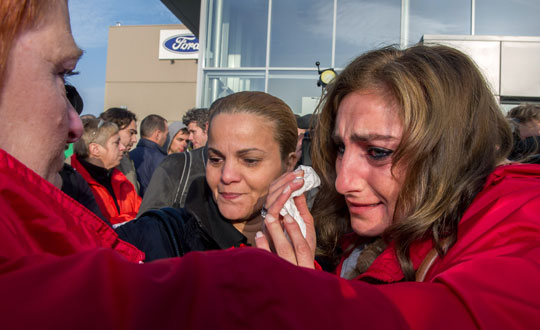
[(299, 251)]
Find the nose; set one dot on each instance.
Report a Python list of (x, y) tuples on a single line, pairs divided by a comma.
[(122, 147), (75, 127), (352, 173), (229, 172)]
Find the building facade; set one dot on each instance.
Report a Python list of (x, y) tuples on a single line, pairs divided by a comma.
[(272, 45), (140, 79)]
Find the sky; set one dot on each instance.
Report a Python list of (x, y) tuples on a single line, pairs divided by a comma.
[(90, 22)]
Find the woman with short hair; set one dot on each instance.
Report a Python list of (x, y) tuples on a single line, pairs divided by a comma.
[(97, 154)]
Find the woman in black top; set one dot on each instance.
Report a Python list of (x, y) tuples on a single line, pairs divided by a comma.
[(251, 142)]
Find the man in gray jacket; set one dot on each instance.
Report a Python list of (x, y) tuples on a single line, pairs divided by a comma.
[(172, 178)]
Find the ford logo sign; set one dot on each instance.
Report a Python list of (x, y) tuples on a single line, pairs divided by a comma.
[(183, 43)]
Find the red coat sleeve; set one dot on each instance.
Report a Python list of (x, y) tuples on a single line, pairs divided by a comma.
[(238, 289)]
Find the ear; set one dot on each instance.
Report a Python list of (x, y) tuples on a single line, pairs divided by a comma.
[(157, 134), (290, 162), (94, 150), (206, 128)]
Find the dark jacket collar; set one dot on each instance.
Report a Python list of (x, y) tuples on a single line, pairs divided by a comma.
[(201, 205), (100, 174)]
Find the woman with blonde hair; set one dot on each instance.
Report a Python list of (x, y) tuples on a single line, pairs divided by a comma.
[(411, 147), (97, 154)]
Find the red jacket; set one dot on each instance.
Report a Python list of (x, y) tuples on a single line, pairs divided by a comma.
[(491, 274), (38, 218), (126, 196), (57, 271)]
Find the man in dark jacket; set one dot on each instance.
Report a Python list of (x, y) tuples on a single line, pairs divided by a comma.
[(149, 151)]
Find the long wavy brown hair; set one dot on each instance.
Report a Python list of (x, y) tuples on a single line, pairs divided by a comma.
[(454, 135)]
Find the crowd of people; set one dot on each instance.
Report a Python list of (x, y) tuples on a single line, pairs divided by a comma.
[(426, 217)]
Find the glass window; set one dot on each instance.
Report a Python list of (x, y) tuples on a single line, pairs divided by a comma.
[(236, 33), (364, 25), (507, 17), (297, 88), (301, 33), (219, 84), (438, 17)]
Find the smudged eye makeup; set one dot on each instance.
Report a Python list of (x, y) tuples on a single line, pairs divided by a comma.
[(379, 154)]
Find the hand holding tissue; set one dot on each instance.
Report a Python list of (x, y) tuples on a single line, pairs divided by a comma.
[(311, 180)]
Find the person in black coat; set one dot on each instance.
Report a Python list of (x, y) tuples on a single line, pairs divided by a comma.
[(251, 142), (76, 187)]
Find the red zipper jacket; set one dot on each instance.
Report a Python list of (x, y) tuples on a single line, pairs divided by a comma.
[(490, 276), (38, 218), (126, 195)]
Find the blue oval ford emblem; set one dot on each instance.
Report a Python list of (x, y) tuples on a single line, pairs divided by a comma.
[(183, 43)]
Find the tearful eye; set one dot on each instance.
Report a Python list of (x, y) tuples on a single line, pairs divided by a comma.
[(379, 153), (340, 147)]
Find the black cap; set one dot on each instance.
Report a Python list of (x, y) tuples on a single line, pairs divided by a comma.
[(74, 98)]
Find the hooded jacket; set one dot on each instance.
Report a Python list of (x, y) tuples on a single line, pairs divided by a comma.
[(174, 128)]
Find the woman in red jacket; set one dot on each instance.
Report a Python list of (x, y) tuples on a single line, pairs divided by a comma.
[(97, 154), (411, 146)]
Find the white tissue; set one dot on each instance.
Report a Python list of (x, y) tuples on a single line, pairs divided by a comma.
[(311, 180)]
